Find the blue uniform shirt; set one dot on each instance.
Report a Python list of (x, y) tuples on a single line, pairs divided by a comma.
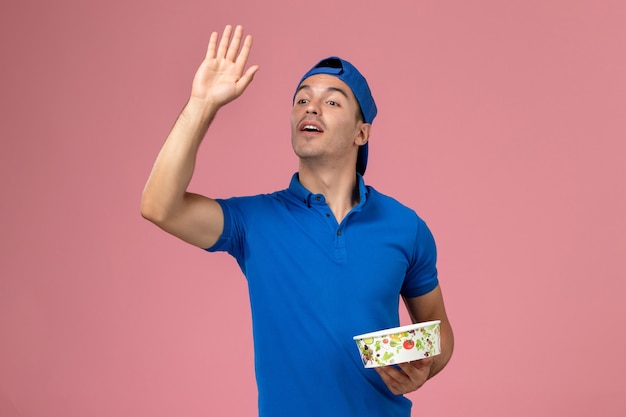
[(314, 284)]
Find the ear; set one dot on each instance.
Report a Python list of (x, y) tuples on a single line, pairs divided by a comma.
[(363, 134)]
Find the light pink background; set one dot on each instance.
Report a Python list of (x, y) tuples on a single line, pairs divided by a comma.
[(501, 122)]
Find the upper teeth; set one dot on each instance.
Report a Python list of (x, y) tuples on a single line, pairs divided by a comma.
[(311, 127)]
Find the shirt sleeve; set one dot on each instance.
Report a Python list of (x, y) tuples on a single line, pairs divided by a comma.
[(231, 238), (421, 277)]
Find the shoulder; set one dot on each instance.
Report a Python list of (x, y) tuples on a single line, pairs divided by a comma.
[(385, 202), (394, 211), (256, 198), (254, 204)]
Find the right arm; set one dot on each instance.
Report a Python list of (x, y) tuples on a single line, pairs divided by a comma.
[(165, 201)]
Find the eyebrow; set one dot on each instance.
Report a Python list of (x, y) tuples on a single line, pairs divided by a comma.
[(337, 89)]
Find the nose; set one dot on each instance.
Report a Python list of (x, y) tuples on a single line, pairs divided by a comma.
[(312, 107)]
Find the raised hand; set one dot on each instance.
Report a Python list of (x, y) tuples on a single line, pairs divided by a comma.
[(221, 78)]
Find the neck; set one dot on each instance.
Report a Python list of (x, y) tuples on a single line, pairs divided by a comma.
[(338, 187)]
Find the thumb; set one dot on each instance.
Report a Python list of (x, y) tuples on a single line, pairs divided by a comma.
[(247, 78)]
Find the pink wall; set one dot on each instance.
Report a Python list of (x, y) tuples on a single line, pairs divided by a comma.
[(501, 122)]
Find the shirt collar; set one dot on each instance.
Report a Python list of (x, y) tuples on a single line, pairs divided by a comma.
[(307, 197)]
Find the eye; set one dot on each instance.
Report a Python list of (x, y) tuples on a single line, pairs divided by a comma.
[(302, 101), (333, 103)]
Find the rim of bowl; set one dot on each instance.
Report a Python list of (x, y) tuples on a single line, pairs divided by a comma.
[(387, 332)]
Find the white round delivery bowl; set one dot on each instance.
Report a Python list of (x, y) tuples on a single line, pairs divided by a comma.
[(399, 344)]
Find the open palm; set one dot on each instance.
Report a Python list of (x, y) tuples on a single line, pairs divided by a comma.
[(221, 78)]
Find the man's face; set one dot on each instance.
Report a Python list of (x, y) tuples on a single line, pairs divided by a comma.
[(325, 121)]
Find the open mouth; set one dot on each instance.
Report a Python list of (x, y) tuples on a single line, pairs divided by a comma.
[(310, 126)]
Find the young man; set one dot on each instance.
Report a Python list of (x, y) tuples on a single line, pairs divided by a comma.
[(325, 259)]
